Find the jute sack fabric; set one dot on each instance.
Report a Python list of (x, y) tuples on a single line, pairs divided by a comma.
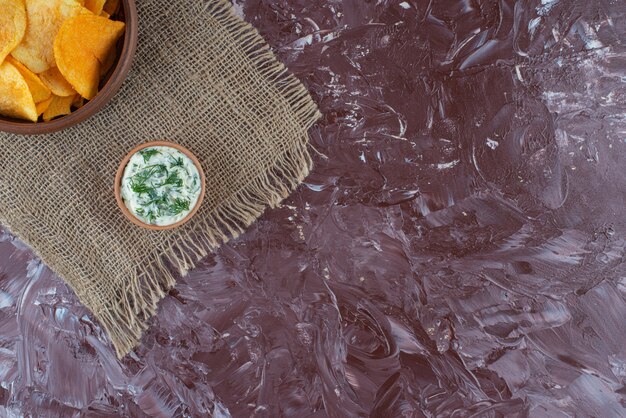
[(203, 78)]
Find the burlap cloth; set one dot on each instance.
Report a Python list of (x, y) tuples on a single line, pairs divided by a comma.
[(202, 78)]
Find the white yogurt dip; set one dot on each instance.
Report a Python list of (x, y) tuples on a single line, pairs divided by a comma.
[(160, 185)]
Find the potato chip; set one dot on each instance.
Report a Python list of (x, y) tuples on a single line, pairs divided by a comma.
[(108, 62), (16, 100), (45, 17), (111, 6), (95, 6), (105, 14), (37, 88), (78, 101), (80, 48), (57, 83), (59, 106), (12, 25), (43, 106)]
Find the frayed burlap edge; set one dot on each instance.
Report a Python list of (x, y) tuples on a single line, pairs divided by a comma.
[(125, 319)]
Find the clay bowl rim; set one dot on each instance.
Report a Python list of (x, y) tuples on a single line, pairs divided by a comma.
[(120, 174), (110, 89)]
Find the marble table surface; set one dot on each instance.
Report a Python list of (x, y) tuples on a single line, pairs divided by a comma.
[(458, 250)]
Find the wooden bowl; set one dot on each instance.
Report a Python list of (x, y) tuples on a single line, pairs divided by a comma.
[(120, 174), (109, 85)]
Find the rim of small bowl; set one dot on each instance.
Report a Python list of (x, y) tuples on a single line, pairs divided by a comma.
[(120, 174), (110, 89)]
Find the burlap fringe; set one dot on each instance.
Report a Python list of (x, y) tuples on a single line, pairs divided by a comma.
[(125, 319)]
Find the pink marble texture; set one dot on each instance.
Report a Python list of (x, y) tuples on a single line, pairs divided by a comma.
[(458, 250)]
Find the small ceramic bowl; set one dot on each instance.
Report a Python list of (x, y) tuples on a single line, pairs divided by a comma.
[(120, 174), (109, 85)]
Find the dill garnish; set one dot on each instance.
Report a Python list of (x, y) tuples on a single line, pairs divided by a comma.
[(173, 180), (177, 162), (140, 187), (138, 181), (147, 154), (155, 199), (151, 217), (179, 206), (151, 170)]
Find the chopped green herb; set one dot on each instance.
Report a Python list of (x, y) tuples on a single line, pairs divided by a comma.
[(148, 153), (173, 180), (153, 195), (157, 200), (178, 162), (140, 187), (151, 217), (150, 171), (153, 170), (179, 206)]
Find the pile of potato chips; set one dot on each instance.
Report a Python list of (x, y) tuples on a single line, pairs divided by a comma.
[(53, 54)]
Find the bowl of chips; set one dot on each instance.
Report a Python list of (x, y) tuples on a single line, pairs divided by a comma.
[(61, 61)]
